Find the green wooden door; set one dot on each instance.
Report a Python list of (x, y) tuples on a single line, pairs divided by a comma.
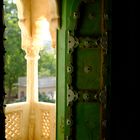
[(82, 78)]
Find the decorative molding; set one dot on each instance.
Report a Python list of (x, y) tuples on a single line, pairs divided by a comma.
[(32, 53), (32, 11)]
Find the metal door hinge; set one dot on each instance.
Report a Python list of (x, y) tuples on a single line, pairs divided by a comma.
[(71, 96), (73, 42)]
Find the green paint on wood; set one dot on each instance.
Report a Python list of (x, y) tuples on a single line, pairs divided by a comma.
[(61, 82), (90, 19), (87, 121), (86, 64), (87, 68)]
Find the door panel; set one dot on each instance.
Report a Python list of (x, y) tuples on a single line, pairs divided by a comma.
[(86, 49), (87, 126), (89, 22), (86, 67)]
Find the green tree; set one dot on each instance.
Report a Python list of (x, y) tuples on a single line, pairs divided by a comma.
[(15, 63), (47, 64)]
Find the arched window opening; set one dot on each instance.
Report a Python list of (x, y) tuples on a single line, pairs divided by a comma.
[(31, 56), (15, 63)]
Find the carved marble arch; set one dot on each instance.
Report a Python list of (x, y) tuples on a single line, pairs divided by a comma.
[(32, 14)]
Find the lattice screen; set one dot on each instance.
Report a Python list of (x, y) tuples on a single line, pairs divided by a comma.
[(53, 124), (45, 121), (13, 127)]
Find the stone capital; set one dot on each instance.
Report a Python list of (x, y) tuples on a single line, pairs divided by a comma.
[(32, 53)]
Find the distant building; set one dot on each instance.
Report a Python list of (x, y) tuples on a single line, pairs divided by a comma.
[(46, 86)]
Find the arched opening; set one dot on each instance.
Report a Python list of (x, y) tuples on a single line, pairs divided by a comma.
[(15, 63), (33, 117)]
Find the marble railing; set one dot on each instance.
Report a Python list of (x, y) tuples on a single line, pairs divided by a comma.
[(17, 121)]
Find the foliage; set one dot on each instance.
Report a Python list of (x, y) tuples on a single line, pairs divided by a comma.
[(15, 64), (47, 64), (23, 99), (44, 98)]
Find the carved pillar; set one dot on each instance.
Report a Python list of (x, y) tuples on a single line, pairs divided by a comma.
[(32, 56)]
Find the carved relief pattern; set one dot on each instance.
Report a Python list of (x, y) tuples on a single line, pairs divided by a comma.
[(13, 127), (53, 125), (32, 52), (45, 131)]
